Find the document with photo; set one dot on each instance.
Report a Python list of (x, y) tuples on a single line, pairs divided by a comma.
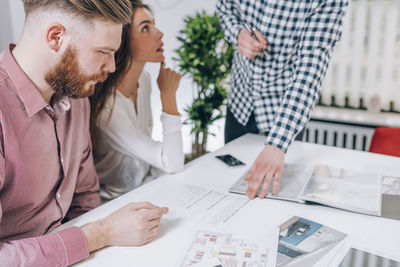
[(345, 189), (306, 243), (294, 179)]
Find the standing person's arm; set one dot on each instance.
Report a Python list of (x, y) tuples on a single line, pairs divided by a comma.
[(321, 33), (229, 15)]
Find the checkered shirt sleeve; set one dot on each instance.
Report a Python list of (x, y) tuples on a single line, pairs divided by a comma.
[(282, 87)]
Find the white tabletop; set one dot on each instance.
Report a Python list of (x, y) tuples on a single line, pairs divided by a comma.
[(258, 218)]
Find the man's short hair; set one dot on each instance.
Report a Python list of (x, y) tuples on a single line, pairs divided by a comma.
[(118, 11)]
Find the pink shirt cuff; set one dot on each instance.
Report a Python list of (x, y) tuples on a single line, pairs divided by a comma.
[(74, 242)]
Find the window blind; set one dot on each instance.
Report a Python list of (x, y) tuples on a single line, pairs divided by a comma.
[(365, 69)]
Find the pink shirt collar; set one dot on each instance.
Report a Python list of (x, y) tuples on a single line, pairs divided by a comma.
[(27, 92)]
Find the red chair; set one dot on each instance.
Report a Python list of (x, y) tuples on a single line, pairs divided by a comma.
[(386, 140)]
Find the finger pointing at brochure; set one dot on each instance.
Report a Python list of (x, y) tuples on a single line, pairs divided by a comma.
[(265, 172)]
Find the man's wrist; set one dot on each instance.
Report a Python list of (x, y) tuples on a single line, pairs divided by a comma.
[(279, 137), (96, 234)]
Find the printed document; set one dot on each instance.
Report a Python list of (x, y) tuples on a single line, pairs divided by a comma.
[(197, 204), (305, 243), (221, 249)]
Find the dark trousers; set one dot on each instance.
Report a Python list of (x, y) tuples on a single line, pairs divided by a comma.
[(233, 129)]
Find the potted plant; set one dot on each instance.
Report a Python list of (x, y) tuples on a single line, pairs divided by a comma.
[(206, 57)]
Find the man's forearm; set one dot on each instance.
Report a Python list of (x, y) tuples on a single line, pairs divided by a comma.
[(96, 235), (62, 248), (229, 16)]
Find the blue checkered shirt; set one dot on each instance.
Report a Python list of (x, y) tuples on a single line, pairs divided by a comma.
[(281, 87)]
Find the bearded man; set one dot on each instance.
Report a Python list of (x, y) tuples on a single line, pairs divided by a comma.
[(46, 166)]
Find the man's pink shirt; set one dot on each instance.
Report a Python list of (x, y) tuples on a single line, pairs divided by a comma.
[(46, 172)]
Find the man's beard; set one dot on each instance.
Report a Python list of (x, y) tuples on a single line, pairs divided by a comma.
[(67, 78)]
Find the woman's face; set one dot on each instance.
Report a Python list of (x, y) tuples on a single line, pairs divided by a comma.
[(146, 39)]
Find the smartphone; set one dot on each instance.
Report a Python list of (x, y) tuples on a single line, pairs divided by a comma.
[(230, 160)]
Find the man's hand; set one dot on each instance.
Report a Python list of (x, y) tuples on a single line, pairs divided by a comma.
[(267, 167), (135, 224), (248, 46)]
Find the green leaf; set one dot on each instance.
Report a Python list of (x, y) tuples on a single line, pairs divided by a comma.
[(201, 56)]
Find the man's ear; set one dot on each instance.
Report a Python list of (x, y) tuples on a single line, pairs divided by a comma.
[(54, 36)]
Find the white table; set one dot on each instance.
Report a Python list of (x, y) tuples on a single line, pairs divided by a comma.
[(258, 217)]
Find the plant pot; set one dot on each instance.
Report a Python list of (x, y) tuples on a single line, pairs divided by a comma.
[(199, 144)]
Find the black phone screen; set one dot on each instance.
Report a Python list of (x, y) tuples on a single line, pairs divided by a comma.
[(230, 160)]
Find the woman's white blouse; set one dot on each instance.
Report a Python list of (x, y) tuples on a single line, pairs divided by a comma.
[(126, 156)]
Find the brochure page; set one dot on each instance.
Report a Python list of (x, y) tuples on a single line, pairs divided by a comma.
[(293, 181), (346, 189)]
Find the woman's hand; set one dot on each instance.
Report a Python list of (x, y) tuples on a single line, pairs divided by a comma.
[(168, 82)]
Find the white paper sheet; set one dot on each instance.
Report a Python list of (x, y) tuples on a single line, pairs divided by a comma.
[(197, 204)]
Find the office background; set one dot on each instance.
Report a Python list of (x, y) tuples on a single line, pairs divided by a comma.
[(361, 90)]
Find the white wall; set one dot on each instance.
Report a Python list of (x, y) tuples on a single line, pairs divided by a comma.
[(5, 22), (11, 21), (169, 16), (17, 16), (170, 21)]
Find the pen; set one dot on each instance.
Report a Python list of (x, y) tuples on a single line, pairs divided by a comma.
[(249, 30)]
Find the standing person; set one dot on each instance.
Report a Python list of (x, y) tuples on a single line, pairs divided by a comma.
[(121, 123), (276, 74), (47, 175)]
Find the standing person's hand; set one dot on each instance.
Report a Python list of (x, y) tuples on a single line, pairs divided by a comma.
[(135, 224), (248, 46), (168, 82), (268, 167)]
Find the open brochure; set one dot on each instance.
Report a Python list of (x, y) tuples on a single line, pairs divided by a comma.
[(336, 187), (294, 179), (305, 243)]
